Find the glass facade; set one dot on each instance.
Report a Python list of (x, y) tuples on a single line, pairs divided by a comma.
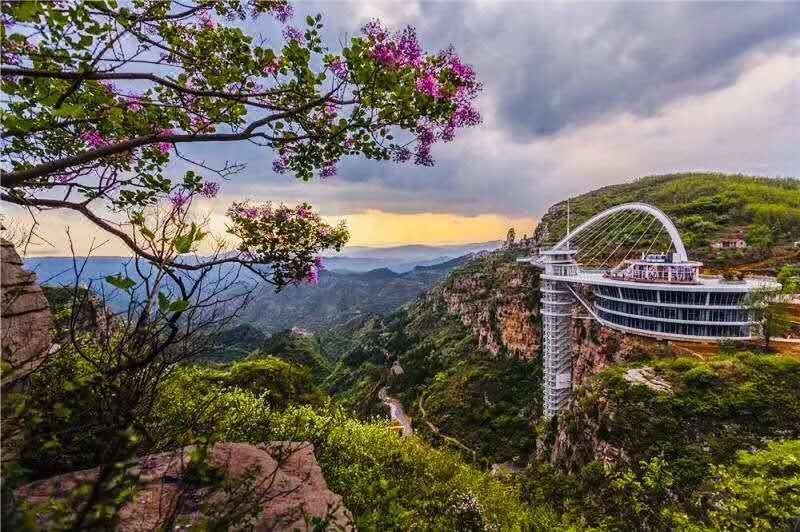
[(685, 329), (683, 312), (674, 313), (683, 298), (673, 297)]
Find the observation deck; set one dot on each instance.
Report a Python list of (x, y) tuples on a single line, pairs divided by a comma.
[(659, 295)]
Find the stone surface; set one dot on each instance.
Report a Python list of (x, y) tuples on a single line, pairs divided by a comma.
[(647, 377), (288, 485), (502, 316), (25, 319)]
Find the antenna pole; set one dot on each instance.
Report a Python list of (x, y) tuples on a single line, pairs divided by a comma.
[(567, 216)]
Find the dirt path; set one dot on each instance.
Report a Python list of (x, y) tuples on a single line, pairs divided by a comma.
[(396, 412)]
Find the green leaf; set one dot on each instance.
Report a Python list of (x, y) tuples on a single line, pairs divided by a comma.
[(163, 302), (147, 233), (123, 283), (183, 243), (69, 111), (179, 305)]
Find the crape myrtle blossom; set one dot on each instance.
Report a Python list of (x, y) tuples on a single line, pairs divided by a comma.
[(164, 147), (442, 77), (340, 68), (329, 170), (283, 12), (429, 84), (134, 104), (180, 199), (209, 190), (206, 22), (93, 138), (290, 33)]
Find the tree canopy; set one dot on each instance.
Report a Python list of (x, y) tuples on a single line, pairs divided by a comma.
[(103, 97)]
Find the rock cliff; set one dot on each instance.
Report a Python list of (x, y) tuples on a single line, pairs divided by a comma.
[(25, 318), (282, 480), (497, 299)]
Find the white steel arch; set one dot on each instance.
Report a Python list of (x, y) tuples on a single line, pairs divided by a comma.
[(659, 215)]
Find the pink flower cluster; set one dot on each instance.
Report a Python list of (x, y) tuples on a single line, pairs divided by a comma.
[(443, 77), (199, 123), (135, 104), (270, 69), (290, 33), (281, 164), (312, 277), (209, 189), (340, 69), (394, 51), (283, 12), (429, 84), (329, 170), (206, 22), (93, 138), (164, 147), (179, 199), (65, 178)]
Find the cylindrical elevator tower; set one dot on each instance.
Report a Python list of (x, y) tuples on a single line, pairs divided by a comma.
[(557, 305)]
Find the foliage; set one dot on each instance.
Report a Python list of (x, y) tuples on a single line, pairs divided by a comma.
[(759, 491), (286, 239), (102, 97), (298, 348), (771, 313), (680, 447), (789, 277), (388, 482), (278, 382), (760, 236)]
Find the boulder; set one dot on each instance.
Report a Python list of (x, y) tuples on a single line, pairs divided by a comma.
[(25, 318), (282, 478), (646, 376)]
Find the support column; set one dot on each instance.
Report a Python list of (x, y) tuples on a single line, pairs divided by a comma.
[(557, 304)]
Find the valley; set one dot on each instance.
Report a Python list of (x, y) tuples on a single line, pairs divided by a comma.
[(447, 358)]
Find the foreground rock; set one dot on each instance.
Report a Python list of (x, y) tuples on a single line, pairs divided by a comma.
[(25, 318), (283, 479)]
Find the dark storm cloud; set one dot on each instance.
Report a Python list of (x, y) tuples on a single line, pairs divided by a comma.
[(553, 74), (556, 66)]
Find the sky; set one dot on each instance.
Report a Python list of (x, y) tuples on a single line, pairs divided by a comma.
[(576, 96)]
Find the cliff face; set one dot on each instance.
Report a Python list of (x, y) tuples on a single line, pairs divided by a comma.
[(25, 318), (497, 299)]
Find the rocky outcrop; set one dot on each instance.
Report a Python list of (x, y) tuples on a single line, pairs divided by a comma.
[(282, 479), (594, 348), (25, 318), (646, 377)]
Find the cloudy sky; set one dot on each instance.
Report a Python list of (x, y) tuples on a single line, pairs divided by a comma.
[(576, 96)]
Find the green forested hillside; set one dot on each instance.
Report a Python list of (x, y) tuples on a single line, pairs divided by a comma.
[(705, 207)]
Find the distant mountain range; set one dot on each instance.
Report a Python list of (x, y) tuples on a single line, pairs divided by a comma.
[(401, 258), (343, 296), (347, 289)]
